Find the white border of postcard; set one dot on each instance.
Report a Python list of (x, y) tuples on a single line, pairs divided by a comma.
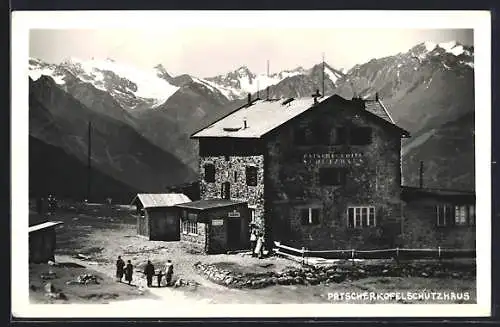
[(22, 22)]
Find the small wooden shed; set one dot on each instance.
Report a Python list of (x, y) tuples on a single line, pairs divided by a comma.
[(42, 241), (157, 216), (215, 225)]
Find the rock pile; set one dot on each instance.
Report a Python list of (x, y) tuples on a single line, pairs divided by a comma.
[(331, 274), (85, 279)]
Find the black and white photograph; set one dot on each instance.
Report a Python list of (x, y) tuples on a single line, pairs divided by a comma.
[(197, 164)]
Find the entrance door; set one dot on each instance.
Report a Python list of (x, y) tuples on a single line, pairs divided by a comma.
[(233, 233)]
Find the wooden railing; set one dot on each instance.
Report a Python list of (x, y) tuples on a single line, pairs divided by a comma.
[(396, 253)]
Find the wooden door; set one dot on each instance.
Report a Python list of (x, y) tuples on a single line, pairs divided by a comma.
[(233, 229)]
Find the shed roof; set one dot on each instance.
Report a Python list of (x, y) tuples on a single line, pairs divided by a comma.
[(409, 193), (156, 200), (263, 116), (44, 225), (209, 204)]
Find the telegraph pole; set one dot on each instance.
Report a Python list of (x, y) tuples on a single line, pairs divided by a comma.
[(89, 162), (323, 75)]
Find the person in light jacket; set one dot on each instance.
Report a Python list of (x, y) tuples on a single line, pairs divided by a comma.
[(260, 246), (253, 241)]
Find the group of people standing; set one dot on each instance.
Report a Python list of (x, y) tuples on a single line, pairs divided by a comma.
[(149, 271)]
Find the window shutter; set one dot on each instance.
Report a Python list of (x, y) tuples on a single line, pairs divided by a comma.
[(350, 217), (304, 216), (315, 216)]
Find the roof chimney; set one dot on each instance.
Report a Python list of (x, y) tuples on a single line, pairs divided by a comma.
[(249, 99), (245, 123), (316, 96), (376, 96)]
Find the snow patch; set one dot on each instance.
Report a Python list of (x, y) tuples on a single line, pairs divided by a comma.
[(429, 46), (331, 74), (149, 85), (452, 47)]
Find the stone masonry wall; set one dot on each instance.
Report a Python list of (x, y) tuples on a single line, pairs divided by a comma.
[(198, 242), (420, 230), (373, 179), (225, 172)]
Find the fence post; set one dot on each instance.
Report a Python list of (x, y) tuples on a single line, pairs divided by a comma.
[(439, 253), (397, 255), (352, 256), (303, 250)]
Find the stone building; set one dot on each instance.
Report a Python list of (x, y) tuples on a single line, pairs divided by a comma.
[(318, 172), (438, 218), (214, 226)]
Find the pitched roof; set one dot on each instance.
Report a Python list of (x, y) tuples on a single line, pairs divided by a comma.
[(409, 193), (263, 116), (44, 225), (151, 200), (209, 204), (378, 108)]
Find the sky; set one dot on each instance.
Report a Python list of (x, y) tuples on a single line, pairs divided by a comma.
[(212, 51)]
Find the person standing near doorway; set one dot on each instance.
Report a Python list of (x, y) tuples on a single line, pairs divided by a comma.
[(253, 240), (120, 266), (129, 270), (149, 271)]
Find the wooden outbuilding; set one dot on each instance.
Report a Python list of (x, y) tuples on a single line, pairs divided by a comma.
[(42, 239), (157, 216)]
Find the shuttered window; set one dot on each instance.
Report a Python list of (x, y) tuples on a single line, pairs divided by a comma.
[(251, 175), (309, 216), (209, 173), (332, 176)]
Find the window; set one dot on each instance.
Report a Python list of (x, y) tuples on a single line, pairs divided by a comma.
[(358, 217), (251, 174), (361, 135), (460, 215), (189, 227), (235, 176), (209, 173), (332, 176), (309, 216), (472, 215), (300, 136), (339, 136)]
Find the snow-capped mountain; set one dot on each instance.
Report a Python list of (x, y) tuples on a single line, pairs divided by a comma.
[(237, 84), (133, 88)]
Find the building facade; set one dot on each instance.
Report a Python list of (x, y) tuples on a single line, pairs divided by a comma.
[(320, 173), (214, 226), (438, 218)]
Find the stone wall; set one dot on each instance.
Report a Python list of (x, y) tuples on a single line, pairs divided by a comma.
[(420, 230), (196, 243), (333, 275), (225, 171), (373, 179)]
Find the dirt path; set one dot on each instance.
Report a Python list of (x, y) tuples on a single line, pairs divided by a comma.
[(163, 294)]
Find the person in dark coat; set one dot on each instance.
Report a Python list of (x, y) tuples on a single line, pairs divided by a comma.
[(149, 271), (129, 270), (120, 265), (169, 271), (160, 275)]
